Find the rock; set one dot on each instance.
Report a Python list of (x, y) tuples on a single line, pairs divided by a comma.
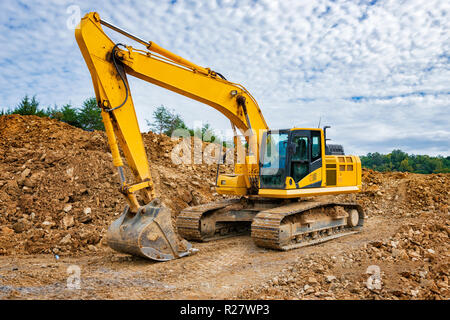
[(377, 244), (19, 227), (68, 208), (308, 289), (185, 195), (275, 281), (28, 183), (68, 221), (66, 240), (413, 254), (330, 278), (397, 293), (92, 248), (442, 285), (399, 253), (69, 172), (12, 188), (312, 281), (25, 173), (319, 269), (87, 211), (354, 290), (6, 231), (48, 224), (85, 219)]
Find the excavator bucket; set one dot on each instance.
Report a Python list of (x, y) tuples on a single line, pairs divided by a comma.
[(149, 234)]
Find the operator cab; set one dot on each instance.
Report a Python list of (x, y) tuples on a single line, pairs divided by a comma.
[(289, 157)]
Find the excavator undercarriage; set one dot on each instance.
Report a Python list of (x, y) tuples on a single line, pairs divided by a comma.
[(273, 223)]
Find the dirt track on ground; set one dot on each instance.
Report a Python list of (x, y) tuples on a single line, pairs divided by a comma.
[(58, 194)]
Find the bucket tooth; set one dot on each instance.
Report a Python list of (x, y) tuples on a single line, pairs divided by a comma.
[(148, 233)]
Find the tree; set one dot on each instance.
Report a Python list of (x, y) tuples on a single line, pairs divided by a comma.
[(89, 116), (166, 121), (205, 132), (405, 167), (27, 107), (70, 116)]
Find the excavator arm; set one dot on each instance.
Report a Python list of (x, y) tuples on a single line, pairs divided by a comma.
[(109, 65)]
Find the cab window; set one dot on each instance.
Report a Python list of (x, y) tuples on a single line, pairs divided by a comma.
[(315, 146)]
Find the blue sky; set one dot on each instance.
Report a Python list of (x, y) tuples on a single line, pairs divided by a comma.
[(378, 72)]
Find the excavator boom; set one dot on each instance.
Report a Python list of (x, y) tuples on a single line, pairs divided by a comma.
[(146, 230)]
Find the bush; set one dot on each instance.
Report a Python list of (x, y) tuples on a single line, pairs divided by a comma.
[(88, 117)]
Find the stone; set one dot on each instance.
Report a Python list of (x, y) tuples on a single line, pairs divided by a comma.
[(85, 219), (6, 231), (68, 221), (185, 195), (69, 172), (87, 211), (399, 253), (414, 254), (25, 173), (19, 227), (66, 240), (330, 278), (275, 281), (68, 208), (319, 269), (308, 289), (312, 280), (48, 224), (377, 244)]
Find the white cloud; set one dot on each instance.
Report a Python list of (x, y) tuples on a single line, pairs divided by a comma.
[(302, 60)]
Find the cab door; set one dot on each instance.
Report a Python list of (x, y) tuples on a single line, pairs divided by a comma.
[(300, 155), (305, 155)]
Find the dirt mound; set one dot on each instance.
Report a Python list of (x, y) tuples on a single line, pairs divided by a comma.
[(59, 189), (402, 194), (413, 263)]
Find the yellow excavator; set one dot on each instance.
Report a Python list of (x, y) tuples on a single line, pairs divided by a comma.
[(274, 184)]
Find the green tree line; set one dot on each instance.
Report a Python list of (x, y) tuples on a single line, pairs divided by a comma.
[(87, 117), (400, 161)]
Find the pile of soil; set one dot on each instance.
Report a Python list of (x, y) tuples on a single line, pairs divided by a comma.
[(403, 194), (59, 189)]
